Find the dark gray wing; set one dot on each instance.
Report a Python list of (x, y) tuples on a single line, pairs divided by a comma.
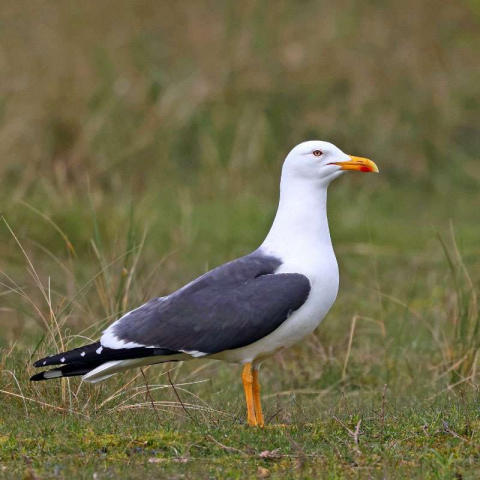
[(230, 307)]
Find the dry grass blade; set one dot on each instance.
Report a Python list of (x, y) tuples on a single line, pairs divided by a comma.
[(461, 346), (53, 224), (178, 397), (44, 404), (153, 388), (165, 403), (149, 394), (89, 283), (19, 389), (120, 391), (353, 433), (304, 391), (453, 386), (53, 325), (350, 340), (226, 447)]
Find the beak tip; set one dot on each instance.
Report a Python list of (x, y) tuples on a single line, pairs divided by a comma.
[(361, 164)]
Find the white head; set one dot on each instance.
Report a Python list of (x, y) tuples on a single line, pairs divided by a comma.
[(322, 162), (301, 223)]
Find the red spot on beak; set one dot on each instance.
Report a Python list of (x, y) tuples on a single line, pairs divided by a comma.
[(365, 169)]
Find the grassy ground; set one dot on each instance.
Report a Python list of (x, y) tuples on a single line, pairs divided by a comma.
[(359, 437), (141, 145)]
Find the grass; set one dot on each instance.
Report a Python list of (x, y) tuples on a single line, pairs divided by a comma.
[(141, 145), (345, 439)]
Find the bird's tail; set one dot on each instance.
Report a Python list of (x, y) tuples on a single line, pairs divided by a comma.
[(71, 370), (94, 358)]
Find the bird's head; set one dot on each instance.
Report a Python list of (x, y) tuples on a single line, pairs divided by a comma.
[(323, 162)]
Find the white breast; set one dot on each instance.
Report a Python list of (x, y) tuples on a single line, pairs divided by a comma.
[(323, 276), (300, 238)]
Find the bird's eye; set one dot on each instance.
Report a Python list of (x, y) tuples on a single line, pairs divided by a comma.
[(317, 153)]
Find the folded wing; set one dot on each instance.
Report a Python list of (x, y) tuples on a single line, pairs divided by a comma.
[(229, 307)]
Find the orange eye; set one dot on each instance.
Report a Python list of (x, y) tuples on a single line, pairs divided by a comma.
[(317, 153)]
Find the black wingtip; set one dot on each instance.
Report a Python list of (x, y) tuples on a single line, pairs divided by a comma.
[(39, 377), (71, 370), (48, 361), (70, 356)]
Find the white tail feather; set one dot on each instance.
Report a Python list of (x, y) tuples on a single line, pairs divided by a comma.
[(108, 369), (102, 372)]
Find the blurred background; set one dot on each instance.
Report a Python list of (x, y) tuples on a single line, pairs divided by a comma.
[(141, 144)]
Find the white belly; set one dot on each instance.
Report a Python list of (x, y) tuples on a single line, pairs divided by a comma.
[(324, 288)]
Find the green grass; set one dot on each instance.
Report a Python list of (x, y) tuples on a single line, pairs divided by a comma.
[(141, 144), (425, 440)]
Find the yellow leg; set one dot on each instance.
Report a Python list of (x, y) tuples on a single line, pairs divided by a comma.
[(247, 380), (256, 398)]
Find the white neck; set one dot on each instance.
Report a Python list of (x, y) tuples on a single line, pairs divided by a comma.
[(300, 229)]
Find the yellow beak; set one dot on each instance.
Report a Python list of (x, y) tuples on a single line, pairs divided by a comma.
[(359, 164)]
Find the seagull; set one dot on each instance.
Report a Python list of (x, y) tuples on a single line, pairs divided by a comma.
[(247, 310)]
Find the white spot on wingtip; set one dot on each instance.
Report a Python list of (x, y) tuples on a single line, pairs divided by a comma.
[(99, 350), (62, 359), (82, 354), (45, 362)]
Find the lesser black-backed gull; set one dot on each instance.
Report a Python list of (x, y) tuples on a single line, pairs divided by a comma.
[(246, 310)]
